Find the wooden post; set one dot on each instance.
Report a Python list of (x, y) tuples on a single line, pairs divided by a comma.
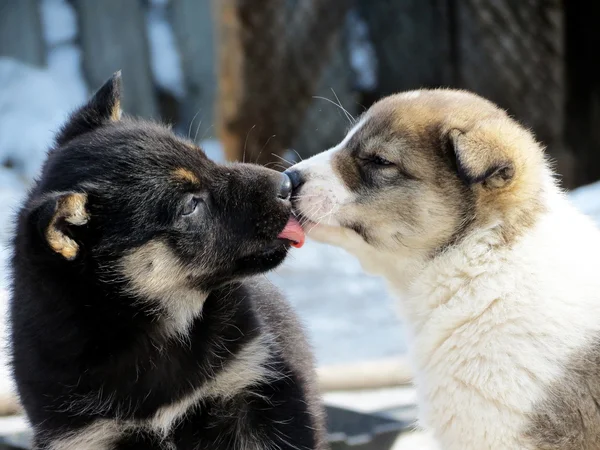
[(245, 89), (113, 36), (269, 70), (411, 39), (194, 30), (513, 54), (21, 34), (325, 122)]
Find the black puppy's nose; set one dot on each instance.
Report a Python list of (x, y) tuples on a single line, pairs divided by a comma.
[(285, 189), (295, 177)]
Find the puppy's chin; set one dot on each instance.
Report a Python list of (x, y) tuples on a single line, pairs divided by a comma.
[(334, 235), (261, 262)]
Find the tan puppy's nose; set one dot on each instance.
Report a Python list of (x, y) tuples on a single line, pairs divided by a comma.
[(295, 178)]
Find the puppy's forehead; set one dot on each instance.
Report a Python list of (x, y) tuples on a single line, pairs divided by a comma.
[(415, 111), (417, 121), (397, 122), (401, 116), (371, 128)]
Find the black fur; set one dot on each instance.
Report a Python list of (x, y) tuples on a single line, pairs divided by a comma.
[(89, 349)]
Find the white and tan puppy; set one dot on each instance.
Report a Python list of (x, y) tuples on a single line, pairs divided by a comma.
[(498, 276)]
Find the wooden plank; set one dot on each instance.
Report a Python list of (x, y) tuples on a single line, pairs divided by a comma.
[(21, 34), (362, 375), (194, 31), (113, 37)]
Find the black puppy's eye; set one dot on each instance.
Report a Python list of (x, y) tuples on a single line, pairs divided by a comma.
[(190, 206)]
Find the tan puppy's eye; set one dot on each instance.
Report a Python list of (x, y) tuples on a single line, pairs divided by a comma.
[(381, 161), (377, 160)]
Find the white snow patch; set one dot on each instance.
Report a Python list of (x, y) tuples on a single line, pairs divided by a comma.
[(164, 55), (587, 199), (59, 22), (7, 386), (64, 63), (33, 106), (12, 191)]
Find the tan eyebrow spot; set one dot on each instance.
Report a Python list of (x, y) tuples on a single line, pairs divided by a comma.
[(185, 175)]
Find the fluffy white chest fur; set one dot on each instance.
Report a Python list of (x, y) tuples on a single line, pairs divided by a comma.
[(492, 331)]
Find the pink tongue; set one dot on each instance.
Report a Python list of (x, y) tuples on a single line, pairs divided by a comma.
[(293, 232)]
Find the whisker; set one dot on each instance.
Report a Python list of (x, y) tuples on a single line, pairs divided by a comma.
[(346, 113), (304, 218), (300, 159), (349, 116), (297, 197), (192, 123), (331, 212), (206, 132), (198, 127), (276, 165), (246, 142), (264, 146), (283, 159), (315, 207)]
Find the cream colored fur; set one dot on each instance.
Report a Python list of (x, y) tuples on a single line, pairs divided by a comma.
[(491, 324)]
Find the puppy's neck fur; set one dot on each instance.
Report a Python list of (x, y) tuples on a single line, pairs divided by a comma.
[(482, 315), (159, 281)]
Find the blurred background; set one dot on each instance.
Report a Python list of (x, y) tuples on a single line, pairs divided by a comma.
[(265, 75), (251, 79)]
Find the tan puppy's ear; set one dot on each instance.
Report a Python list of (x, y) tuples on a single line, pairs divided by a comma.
[(480, 157), (56, 220)]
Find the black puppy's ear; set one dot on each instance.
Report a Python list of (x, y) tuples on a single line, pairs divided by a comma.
[(478, 159), (56, 219), (104, 106)]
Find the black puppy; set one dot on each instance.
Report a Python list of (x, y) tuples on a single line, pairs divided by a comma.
[(135, 322)]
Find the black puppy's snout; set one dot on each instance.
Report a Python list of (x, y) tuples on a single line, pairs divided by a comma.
[(285, 189), (295, 177)]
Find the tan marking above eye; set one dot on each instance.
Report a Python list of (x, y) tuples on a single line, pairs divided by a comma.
[(185, 175)]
